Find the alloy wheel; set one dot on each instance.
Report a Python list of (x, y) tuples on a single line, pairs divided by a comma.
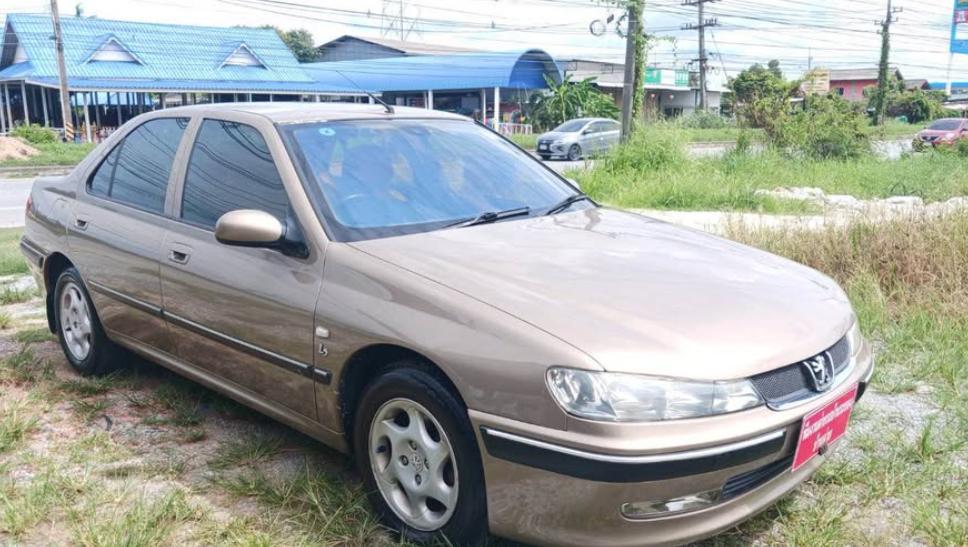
[(413, 464), (75, 321)]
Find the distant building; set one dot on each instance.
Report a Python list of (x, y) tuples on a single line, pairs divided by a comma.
[(490, 86), (118, 69), (669, 92), (850, 83), (355, 48)]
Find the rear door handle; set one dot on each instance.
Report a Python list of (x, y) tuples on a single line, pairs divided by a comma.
[(179, 257), (81, 223)]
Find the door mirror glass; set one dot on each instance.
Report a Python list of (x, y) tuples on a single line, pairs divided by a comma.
[(249, 228)]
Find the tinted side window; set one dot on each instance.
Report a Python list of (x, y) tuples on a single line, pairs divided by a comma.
[(136, 171), (231, 168)]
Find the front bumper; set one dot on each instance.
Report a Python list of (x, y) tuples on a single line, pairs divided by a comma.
[(567, 487)]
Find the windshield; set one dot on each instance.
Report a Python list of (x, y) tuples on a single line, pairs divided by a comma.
[(381, 178), (945, 125), (570, 126)]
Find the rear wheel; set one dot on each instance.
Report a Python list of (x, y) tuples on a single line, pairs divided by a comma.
[(574, 153), (419, 459), (81, 336)]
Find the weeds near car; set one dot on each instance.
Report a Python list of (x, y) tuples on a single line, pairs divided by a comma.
[(904, 462), (11, 261), (16, 421)]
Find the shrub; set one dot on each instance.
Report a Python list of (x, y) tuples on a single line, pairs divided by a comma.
[(704, 120), (962, 148), (828, 127), (34, 134), (646, 150)]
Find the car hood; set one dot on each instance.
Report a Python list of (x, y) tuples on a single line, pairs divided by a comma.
[(636, 294)]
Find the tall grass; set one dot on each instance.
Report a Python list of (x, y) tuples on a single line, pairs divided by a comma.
[(11, 261), (651, 171), (904, 462)]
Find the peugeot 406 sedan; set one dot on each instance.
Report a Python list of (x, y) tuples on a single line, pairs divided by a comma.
[(499, 353)]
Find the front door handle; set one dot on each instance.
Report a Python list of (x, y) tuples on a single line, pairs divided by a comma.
[(81, 223), (179, 257)]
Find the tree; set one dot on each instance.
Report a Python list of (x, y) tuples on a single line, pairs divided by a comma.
[(569, 99), (300, 43), (762, 93)]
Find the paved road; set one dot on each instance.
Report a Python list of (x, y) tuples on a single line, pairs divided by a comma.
[(13, 197)]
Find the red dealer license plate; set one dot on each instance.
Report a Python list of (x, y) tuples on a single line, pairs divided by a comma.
[(824, 426)]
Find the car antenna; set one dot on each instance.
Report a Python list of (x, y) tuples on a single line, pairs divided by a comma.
[(370, 95)]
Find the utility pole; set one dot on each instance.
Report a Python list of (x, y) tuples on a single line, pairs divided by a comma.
[(701, 25), (628, 85), (880, 96), (65, 98)]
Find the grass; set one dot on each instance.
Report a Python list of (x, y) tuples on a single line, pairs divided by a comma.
[(626, 178), (34, 336), (24, 367), (16, 422), (11, 261), (131, 519), (245, 452), (903, 473), (54, 153)]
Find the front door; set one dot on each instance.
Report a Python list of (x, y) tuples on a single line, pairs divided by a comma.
[(242, 314), (115, 233)]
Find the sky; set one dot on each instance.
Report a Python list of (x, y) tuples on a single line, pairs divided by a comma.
[(799, 33)]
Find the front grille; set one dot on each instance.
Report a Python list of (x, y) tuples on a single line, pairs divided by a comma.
[(744, 482), (792, 383)]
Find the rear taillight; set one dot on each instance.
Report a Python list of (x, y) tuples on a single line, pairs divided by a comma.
[(30, 204)]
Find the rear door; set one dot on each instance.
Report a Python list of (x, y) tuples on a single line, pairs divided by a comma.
[(588, 140), (245, 315), (115, 233), (611, 134)]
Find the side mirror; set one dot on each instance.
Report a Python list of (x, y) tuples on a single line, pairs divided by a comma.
[(254, 228), (586, 131)]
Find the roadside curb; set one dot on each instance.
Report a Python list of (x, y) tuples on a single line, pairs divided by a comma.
[(27, 171)]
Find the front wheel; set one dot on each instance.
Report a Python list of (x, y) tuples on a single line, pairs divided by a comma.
[(574, 153), (419, 459)]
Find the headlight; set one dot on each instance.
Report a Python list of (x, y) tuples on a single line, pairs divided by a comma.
[(854, 338), (618, 397)]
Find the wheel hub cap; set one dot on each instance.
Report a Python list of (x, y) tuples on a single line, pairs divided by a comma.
[(75, 321), (413, 463)]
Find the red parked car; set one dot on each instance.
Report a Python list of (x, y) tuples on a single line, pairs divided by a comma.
[(945, 131)]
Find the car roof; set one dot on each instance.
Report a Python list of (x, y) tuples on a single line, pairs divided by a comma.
[(297, 112)]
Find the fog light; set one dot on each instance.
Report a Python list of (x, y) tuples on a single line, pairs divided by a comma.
[(660, 508)]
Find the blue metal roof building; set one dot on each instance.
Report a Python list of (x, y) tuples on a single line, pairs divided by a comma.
[(120, 65), (462, 82)]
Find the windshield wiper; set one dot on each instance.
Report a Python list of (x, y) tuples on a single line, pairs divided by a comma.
[(491, 216), (567, 202)]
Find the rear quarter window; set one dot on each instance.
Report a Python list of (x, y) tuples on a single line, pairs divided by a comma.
[(137, 169)]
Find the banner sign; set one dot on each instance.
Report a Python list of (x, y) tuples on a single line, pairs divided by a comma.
[(959, 27)]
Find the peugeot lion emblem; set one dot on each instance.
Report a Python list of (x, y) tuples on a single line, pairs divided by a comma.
[(821, 371)]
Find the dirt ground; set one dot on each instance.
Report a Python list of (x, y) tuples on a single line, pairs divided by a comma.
[(12, 148)]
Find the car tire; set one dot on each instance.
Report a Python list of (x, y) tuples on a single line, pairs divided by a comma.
[(574, 153), (79, 330), (392, 469)]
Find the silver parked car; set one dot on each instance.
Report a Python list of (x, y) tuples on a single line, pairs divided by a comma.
[(579, 138)]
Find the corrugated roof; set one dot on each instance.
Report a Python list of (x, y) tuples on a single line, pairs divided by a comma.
[(850, 74), (404, 47), (179, 57), (525, 70)]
